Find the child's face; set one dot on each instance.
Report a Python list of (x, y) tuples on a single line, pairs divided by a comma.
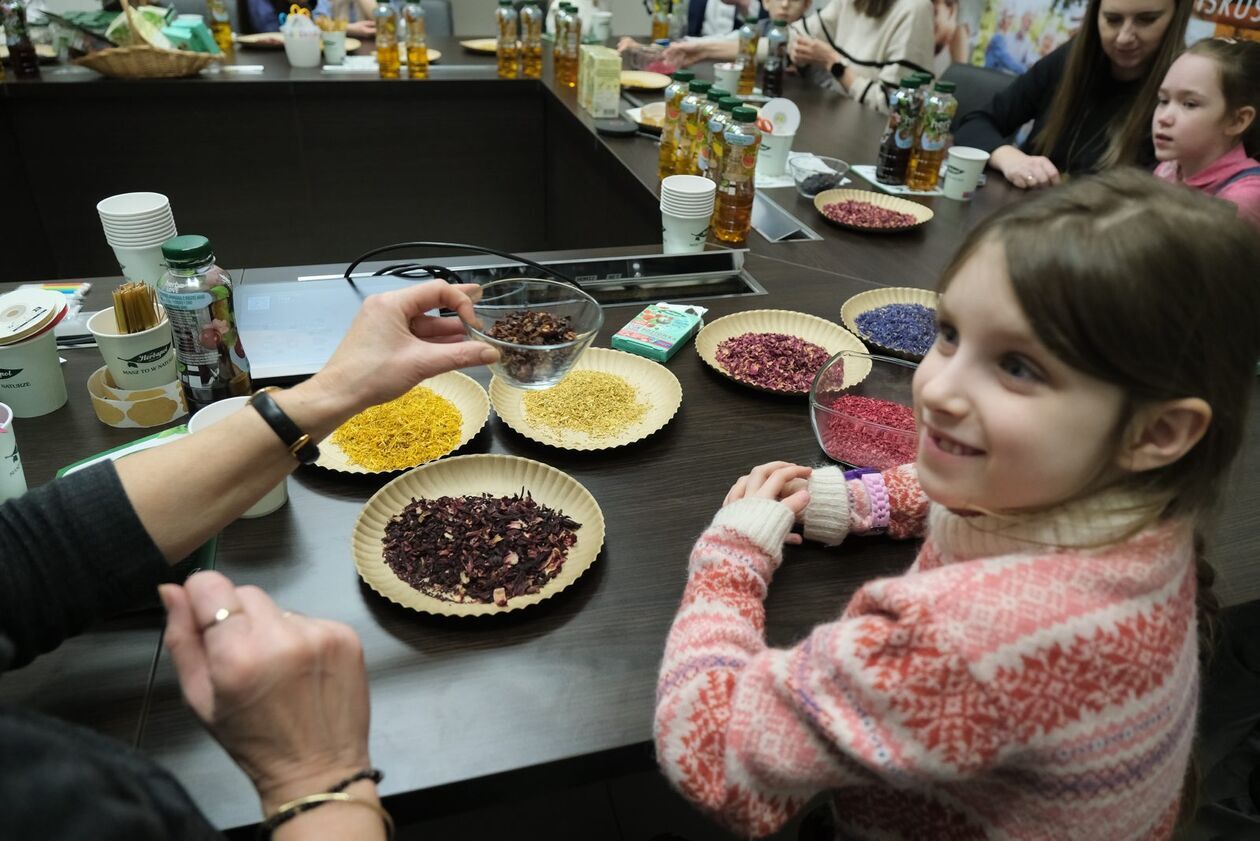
[(1189, 120), (945, 21), (789, 10), (1004, 425)]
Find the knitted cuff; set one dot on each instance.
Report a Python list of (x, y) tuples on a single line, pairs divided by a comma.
[(827, 515), (766, 522)]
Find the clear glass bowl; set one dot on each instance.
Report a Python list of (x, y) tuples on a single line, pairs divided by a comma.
[(860, 434), (535, 366), (826, 172)]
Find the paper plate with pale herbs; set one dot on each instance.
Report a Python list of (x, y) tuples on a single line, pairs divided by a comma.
[(609, 399)]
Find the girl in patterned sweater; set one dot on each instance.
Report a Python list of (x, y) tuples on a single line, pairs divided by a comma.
[(1034, 673)]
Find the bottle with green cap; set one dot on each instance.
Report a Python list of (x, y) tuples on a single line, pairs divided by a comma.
[(197, 297), (560, 31), (507, 47), (716, 152), (674, 94), (732, 212), (689, 125), (929, 151), (700, 149), (531, 40), (387, 58), (899, 135), (748, 38), (776, 60), (572, 47)]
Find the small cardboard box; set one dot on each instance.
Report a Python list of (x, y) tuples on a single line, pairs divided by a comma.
[(599, 81)]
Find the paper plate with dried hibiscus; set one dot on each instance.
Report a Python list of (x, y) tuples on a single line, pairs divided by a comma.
[(477, 534), (778, 351)]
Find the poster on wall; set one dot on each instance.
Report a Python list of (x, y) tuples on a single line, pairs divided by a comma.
[(1224, 19)]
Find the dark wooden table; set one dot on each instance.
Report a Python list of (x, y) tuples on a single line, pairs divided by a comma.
[(562, 692)]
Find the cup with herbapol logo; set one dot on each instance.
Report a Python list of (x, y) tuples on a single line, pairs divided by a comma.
[(135, 360), (31, 382), (12, 479)]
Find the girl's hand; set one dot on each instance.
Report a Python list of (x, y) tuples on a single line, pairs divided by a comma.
[(778, 480), (285, 695), (1027, 172), (803, 49)]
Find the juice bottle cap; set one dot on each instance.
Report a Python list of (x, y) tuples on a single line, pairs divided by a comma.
[(728, 103), (743, 114), (912, 81), (946, 87), (187, 250), (780, 22), (683, 76), (717, 94), (699, 86), (505, 2)]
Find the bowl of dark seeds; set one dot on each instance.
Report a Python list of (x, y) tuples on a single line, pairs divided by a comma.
[(813, 174), (540, 328)]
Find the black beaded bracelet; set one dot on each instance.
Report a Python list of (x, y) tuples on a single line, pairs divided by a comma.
[(288, 812), (373, 774)]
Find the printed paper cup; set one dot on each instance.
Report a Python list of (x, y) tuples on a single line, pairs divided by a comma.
[(12, 479), (31, 382), (683, 234), (963, 166), (774, 154), (135, 360), (134, 409), (726, 75), (142, 265)]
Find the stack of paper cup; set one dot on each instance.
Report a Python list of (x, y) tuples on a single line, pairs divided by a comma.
[(686, 208), (136, 225)]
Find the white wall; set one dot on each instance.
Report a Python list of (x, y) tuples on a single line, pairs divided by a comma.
[(476, 17)]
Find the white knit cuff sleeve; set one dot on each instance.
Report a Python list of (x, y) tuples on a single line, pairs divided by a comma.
[(765, 522), (827, 515)]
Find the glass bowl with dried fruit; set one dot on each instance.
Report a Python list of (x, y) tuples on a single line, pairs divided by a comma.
[(861, 408), (540, 328)]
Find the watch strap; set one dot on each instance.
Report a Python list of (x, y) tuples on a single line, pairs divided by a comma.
[(298, 442)]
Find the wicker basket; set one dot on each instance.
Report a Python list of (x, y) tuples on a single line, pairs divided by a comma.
[(145, 63)]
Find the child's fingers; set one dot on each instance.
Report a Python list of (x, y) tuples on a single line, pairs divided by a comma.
[(774, 485), (797, 502), (736, 492)]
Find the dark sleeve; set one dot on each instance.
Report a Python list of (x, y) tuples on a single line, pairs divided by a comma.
[(59, 781), (71, 553), (1026, 98)]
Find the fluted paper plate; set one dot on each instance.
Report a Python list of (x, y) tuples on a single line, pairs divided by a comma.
[(876, 298), (482, 46), (826, 334), (655, 384), (922, 214), (470, 475), (462, 390), (643, 80)]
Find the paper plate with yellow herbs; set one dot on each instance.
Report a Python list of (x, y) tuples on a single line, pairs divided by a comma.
[(476, 535), (435, 418)]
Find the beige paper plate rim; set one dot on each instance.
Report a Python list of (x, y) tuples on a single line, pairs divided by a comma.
[(876, 298), (664, 393), (480, 45), (462, 390), (819, 331), (922, 214), (644, 80), (467, 475)]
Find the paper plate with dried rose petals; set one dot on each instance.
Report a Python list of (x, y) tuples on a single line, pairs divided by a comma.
[(534, 531), (777, 351)]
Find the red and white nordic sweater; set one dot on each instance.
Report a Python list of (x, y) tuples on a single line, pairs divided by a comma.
[(1004, 687)]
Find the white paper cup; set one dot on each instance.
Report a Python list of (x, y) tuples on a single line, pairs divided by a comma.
[(31, 382), (772, 159), (302, 50), (129, 206), (334, 46), (674, 209), (216, 412), (12, 479), (141, 264), (601, 26), (726, 76), (683, 234), (135, 360), (963, 166), (684, 186)]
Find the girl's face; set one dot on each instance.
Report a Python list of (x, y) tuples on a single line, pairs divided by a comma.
[(789, 10), (1191, 123), (1004, 425), (1131, 32), (945, 21)]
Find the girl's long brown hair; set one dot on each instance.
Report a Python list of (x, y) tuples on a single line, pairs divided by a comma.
[(1156, 289), (1087, 65)]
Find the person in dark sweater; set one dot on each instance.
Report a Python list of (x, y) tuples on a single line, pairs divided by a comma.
[(99, 540), (1090, 100)]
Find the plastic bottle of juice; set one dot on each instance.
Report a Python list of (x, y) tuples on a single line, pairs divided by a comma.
[(732, 213), (220, 25), (506, 49), (417, 41), (572, 45), (716, 151), (689, 126), (938, 114), (899, 136), (700, 149), (387, 40), (18, 39), (531, 40), (669, 129), (197, 297), (660, 19), (559, 23), (776, 60), (748, 39)]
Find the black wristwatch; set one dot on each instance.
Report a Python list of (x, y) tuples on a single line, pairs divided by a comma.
[(837, 70), (298, 442)]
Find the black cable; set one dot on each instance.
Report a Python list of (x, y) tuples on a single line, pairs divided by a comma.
[(457, 246)]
